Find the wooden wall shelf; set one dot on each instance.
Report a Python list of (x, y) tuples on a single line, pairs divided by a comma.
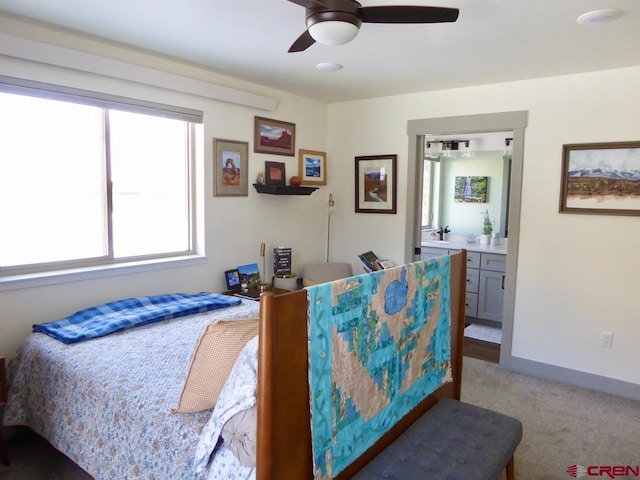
[(284, 189)]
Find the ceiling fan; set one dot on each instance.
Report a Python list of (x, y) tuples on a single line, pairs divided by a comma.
[(335, 22)]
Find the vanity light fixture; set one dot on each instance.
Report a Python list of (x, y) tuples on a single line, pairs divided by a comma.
[(508, 149)]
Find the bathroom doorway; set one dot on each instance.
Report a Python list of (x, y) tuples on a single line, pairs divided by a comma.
[(426, 208)]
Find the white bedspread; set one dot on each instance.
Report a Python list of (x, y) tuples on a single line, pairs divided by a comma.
[(238, 394), (106, 402)]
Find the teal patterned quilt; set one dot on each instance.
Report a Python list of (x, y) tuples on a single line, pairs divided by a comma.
[(379, 343)]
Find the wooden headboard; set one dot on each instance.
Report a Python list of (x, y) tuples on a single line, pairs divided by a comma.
[(284, 426)]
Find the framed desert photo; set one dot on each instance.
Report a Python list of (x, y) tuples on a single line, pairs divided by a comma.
[(230, 168), (312, 167), (601, 178), (274, 136), (274, 173), (375, 186)]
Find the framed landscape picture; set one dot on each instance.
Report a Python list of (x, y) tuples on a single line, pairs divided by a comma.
[(312, 167), (601, 178), (230, 168), (274, 173), (274, 136), (471, 189), (375, 185)]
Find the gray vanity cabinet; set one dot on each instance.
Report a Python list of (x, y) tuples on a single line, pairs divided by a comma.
[(485, 282), (491, 286)]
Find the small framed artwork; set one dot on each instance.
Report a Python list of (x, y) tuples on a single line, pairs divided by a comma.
[(230, 168), (274, 136), (470, 189), (312, 167), (375, 186), (601, 178), (274, 173)]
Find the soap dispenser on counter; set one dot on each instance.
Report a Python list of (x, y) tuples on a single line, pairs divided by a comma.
[(495, 240)]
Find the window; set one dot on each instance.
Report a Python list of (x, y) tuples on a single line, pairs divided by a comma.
[(89, 180)]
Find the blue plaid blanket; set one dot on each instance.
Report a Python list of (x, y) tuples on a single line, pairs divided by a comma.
[(120, 315)]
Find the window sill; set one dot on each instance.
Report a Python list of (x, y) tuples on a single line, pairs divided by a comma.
[(18, 282)]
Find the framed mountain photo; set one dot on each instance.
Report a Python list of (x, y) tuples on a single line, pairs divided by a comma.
[(601, 178)]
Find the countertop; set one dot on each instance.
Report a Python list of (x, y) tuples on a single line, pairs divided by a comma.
[(471, 247)]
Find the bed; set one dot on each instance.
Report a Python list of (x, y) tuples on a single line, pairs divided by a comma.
[(107, 403)]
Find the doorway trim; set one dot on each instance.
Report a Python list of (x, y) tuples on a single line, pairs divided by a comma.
[(515, 121)]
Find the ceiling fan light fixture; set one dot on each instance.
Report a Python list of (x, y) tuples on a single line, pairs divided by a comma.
[(333, 32)]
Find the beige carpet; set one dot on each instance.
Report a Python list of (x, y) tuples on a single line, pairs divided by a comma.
[(563, 425)]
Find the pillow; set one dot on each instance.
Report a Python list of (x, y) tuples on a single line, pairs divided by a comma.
[(239, 434), (212, 361)]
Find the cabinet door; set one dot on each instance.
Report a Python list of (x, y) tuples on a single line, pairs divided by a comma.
[(491, 295), (471, 304), (431, 252)]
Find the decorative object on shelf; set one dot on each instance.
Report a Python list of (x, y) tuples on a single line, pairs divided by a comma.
[(331, 204), (260, 178), (274, 136), (375, 184), (230, 168), (601, 178), (470, 189), (284, 189), (274, 173), (487, 228), (312, 167), (295, 181), (249, 276)]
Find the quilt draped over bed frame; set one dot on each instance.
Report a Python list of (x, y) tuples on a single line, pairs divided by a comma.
[(129, 313), (378, 344)]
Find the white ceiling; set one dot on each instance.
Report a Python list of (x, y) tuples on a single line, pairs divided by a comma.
[(492, 41)]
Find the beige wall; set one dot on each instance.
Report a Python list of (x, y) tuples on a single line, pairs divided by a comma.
[(576, 273), (232, 227)]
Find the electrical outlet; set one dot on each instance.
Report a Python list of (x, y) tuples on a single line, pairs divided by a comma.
[(606, 339)]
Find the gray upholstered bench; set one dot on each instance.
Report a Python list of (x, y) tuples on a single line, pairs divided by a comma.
[(452, 441)]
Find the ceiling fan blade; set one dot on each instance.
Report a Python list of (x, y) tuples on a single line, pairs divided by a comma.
[(407, 14), (309, 3), (303, 42)]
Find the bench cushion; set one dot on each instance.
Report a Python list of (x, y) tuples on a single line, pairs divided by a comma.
[(452, 441)]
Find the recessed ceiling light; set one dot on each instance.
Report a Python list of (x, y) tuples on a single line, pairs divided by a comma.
[(596, 17), (328, 67)]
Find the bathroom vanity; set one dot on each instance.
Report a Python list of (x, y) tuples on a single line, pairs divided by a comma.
[(486, 266)]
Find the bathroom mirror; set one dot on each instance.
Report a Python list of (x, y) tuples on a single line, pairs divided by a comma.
[(465, 175)]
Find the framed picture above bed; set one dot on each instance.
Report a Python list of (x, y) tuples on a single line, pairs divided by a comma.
[(312, 167), (274, 136), (230, 168)]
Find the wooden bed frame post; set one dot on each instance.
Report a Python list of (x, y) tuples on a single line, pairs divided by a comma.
[(284, 419), (284, 425)]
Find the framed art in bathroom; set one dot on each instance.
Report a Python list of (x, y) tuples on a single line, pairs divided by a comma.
[(601, 178)]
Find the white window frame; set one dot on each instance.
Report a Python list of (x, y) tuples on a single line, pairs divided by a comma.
[(67, 271)]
